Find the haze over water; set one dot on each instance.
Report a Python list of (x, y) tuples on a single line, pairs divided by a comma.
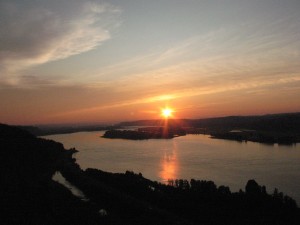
[(229, 163)]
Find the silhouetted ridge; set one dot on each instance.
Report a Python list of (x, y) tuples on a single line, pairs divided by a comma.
[(50, 130), (9, 132), (186, 202), (28, 194), (282, 122), (277, 128)]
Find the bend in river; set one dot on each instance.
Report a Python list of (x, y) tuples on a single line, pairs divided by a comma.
[(225, 162)]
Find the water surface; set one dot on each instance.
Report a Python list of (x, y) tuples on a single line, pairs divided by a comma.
[(225, 162)]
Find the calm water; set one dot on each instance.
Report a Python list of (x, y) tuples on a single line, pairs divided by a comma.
[(58, 177), (225, 162)]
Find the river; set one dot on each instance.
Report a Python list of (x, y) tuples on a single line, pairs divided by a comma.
[(225, 162)]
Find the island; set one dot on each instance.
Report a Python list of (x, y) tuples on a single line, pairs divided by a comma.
[(270, 129), (167, 132)]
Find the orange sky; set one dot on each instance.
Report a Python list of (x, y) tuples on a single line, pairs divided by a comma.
[(94, 61)]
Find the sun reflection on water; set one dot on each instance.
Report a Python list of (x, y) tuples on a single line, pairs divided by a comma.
[(169, 164)]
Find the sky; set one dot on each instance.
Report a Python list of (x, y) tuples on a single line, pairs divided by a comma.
[(89, 61)]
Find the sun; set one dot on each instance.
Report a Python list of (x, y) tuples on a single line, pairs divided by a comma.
[(166, 112)]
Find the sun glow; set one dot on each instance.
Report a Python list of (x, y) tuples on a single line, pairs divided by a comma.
[(166, 112)]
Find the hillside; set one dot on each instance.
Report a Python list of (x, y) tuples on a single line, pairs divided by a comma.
[(276, 128), (30, 196)]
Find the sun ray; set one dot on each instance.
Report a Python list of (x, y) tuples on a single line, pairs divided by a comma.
[(166, 112)]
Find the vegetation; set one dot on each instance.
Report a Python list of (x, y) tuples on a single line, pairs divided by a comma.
[(50, 130), (146, 133), (30, 196), (277, 128), (141, 201)]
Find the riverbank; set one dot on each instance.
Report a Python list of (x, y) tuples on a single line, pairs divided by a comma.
[(146, 133), (30, 196), (270, 129)]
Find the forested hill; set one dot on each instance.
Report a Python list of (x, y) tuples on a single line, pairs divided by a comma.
[(27, 193), (30, 196), (44, 130), (274, 128), (280, 122), (277, 128)]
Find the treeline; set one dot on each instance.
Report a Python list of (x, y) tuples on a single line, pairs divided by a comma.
[(137, 200), (252, 189), (30, 196), (51, 130), (274, 128), (269, 137), (280, 122), (145, 133), (134, 135), (277, 128), (289, 122)]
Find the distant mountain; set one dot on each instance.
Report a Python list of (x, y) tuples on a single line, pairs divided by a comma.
[(51, 130), (289, 122), (275, 128)]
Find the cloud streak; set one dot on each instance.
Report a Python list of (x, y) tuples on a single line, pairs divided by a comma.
[(39, 32), (206, 90), (217, 66)]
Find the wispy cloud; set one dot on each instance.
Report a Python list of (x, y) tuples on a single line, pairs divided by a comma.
[(240, 50), (37, 32), (256, 58), (222, 61), (205, 90)]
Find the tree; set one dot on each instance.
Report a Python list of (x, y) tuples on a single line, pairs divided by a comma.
[(252, 187)]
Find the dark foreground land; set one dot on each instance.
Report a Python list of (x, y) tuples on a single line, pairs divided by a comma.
[(29, 195)]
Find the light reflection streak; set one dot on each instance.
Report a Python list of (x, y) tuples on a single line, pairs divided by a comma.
[(169, 164)]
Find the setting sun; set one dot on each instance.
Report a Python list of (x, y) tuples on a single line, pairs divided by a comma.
[(167, 112)]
